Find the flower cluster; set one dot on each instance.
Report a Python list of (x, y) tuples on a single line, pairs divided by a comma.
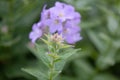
[(61, 19)]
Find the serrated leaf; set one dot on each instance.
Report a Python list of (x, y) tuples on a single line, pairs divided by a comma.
[(59, 65), (38, 70), (68, 52), (43, 55), (37, 73), (63, 58)]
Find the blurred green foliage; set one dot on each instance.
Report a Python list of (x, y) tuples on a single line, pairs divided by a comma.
[(100, 24), (16, 19)]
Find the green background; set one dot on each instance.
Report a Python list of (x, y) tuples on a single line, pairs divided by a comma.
[(99, 58)]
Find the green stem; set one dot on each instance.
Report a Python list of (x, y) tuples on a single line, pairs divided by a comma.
[(52, 70)]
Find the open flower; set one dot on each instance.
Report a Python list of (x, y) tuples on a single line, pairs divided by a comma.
[(72, 38), (62, 11), (61, 19), (36, 32), (54, 25)]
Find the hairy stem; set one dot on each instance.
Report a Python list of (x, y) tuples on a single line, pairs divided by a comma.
[(52, 70)]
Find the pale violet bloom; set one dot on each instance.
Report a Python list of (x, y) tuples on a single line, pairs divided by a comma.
[(36, 32), (62, 11), (55, 25), (62, 19), (72, 38)]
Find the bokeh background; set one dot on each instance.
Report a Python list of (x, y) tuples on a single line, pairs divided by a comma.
[(99, 58)]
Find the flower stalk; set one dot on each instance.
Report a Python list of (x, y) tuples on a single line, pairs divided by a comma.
[(52, 70), (61, 30)]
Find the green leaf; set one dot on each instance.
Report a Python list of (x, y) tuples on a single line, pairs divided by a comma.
[(36, 73), (107, 59), (96, 41), (84, 69), (38, 70), (112, 23), (59, 65), (63, 58), (42, 54), (68, 52)]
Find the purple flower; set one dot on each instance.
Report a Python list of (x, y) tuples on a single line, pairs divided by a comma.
[(62, 11), (45, 14), (55, 25), (71, 26), (71, 32), (61, 19), (36, 32), (72, 38)]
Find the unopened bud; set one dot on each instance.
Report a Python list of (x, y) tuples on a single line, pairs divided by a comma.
[(57, 38)]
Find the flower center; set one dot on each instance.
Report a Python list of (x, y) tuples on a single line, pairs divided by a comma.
[(56, 21), (61, 14), (57, 38)]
